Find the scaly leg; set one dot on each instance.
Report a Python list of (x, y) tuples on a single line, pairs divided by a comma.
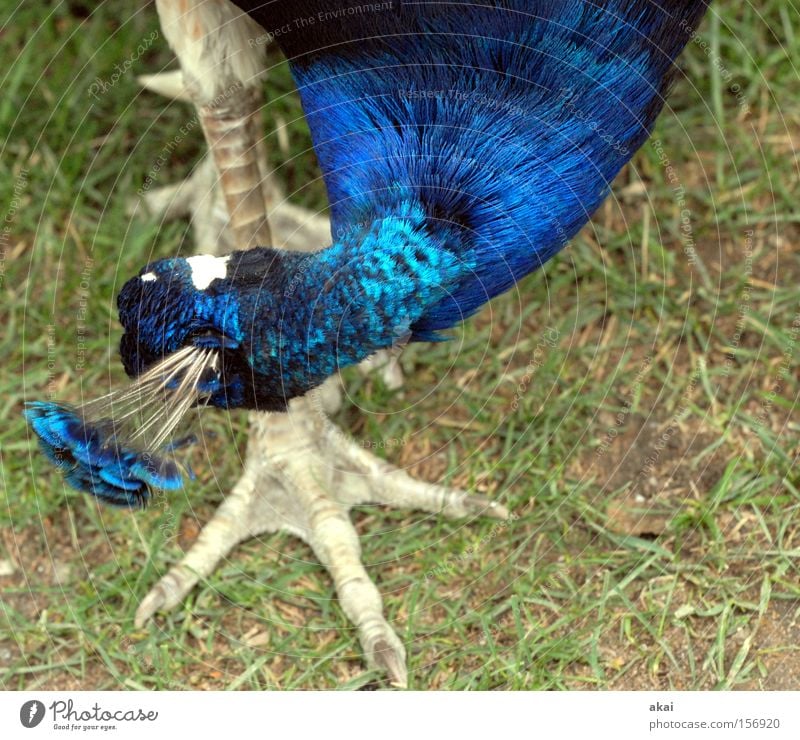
[(302, 474)]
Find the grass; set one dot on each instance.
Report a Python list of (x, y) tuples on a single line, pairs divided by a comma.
[(648, 450)]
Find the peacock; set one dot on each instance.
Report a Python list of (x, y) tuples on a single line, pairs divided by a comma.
[(462, 146)]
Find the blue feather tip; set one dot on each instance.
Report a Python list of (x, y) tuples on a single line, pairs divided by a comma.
[(93, 460), (118, 447)]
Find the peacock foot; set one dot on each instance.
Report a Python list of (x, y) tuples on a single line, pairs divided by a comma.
[(302, 475)]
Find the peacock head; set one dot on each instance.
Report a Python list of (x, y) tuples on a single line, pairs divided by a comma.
[(187, 309), (183, 348)]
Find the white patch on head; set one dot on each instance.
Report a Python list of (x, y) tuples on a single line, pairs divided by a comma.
[(205, 268), (148, 277)]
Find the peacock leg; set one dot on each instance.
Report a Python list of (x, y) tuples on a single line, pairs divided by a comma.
[(302, 475)]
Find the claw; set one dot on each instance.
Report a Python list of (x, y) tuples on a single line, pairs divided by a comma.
[(166, 594), (389, 655), (482, 506), (153, 602)]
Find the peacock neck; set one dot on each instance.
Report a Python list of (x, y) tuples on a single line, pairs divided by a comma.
[(363, 293)]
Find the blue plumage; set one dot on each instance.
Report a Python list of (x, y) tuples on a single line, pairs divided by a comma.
[(92, 460), (506, 124), (462, 146), (119, 447)]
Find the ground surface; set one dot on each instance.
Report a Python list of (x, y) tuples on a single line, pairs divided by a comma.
[(635, 404)]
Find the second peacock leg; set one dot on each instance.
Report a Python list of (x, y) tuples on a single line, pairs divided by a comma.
[(302, 474)]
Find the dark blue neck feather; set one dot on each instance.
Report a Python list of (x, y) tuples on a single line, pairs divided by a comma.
[(333, 308)]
